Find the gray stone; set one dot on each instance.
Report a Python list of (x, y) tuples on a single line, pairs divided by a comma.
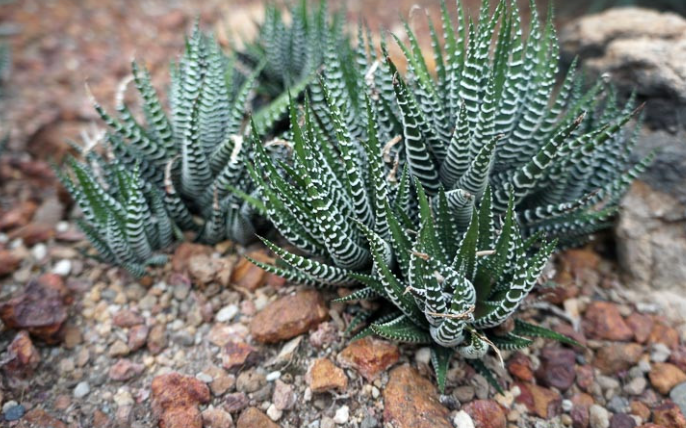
[(14, 413), (636, 386), (82, 389), (618, 404), (678, 396), (369, 422)]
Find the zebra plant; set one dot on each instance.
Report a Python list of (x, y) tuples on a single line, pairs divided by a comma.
[(191, 160)]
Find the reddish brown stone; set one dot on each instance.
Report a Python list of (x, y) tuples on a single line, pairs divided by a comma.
[(662, 333), (183, 254), (412, 401), (665, 376), (289, 316), (235, 402), (541, 401), (247, 275), (238, 354), (8, 262), (39, 418), (18, 216), (641, 325), (567, 330), (39, 309), (125, 369), (127, 319), (138, 335), (519, 366), (100, 419), (651, 425), (580, 417), (175, 400), (323, 375), (486, 414), (72, 336), (585, 377), (157, 339), (669, 415), (602, 320), (639, 409), (33, 233), (557, 368), (579, 261), (369, 356), (22, 357), (253, 418), (617, 357)]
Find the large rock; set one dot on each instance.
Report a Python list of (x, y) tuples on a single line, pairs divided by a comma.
[(644, 50), (175, 400), (38, 309), (289, 316), (412, 401)]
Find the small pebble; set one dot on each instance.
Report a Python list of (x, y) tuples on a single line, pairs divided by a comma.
[(644, 366), (659, 353), (342, 415), (599, 417), (39, 251), (567, 405), (62, 268), (14, 412), (204, 377), (272, 376), (274, 413), (423, 356), (463, 420), (82, 389), (636, 386), (227, 313), (618, 404)]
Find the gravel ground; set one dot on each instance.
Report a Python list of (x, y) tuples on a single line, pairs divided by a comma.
[(210, 340)]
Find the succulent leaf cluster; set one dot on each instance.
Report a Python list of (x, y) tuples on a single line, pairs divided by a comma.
[(189, 162), (292, 44)]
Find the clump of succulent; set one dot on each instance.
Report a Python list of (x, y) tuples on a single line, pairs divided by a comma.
[(190, 160), (436, 193), (292, 50)]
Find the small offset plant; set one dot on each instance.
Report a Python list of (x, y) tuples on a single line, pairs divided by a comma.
[(447, 195), (188, 164)]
